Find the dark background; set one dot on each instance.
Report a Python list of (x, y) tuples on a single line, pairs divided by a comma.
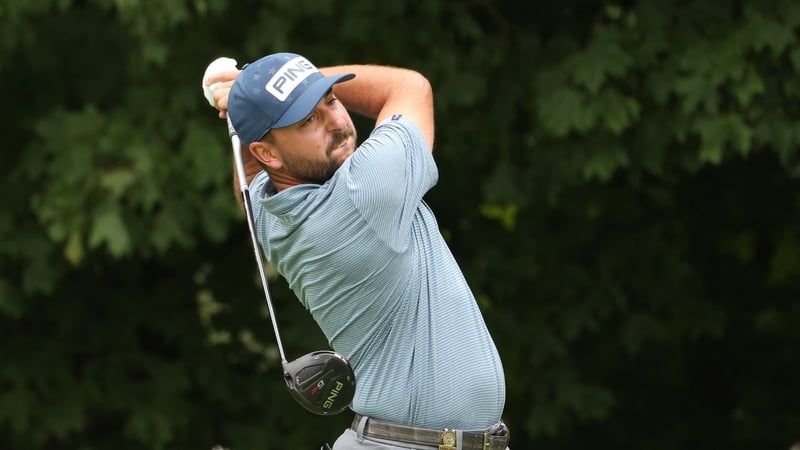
[(618, 180)]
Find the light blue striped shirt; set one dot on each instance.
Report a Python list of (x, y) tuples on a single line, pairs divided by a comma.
[(363, 253)]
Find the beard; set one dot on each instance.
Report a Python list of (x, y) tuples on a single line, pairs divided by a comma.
[(318, 171)]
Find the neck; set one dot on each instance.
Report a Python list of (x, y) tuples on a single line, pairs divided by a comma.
[(282, 181)]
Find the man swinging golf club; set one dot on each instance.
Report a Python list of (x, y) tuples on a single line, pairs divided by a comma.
[(347, 227)]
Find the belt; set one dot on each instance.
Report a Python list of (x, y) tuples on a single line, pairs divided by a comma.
[(492, 438)]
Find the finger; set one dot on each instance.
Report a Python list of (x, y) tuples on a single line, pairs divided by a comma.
[(221, 98), (225, 76)]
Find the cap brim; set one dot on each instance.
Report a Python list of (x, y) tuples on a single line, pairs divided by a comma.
[(306, 103)]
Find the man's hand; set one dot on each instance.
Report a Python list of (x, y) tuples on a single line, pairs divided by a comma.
[(224, 82), (217, 82)]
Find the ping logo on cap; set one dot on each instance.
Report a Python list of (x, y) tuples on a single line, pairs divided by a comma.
[(289, 76)]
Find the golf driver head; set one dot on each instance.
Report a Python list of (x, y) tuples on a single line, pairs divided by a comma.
[(322, 382)]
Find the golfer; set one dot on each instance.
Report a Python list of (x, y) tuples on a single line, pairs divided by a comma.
[(347, 227)]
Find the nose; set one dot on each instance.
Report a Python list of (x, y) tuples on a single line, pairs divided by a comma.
[(335, 118)]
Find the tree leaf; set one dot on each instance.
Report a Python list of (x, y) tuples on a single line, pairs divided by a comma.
[(109, 228)]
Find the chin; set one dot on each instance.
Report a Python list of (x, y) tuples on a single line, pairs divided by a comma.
[(345, 154)]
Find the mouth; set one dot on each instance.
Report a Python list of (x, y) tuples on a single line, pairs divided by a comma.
[(340, 141)]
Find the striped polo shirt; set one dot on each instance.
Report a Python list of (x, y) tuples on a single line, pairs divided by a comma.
[(363, 253)]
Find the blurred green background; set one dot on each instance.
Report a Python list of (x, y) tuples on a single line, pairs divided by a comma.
[(620, 181)]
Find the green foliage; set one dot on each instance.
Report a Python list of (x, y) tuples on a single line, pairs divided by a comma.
[(619, 182)]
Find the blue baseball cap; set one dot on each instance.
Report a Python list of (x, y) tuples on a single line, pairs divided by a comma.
[(276, 91)]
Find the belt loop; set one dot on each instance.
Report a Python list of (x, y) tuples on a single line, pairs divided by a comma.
[(362, 423), (459, 440)]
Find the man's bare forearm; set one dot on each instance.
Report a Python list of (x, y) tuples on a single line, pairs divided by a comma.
[(381, 91)]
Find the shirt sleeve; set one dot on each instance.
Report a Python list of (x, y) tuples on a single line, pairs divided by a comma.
[(388, 176)]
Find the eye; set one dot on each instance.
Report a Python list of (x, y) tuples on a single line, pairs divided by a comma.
[(309, 119)]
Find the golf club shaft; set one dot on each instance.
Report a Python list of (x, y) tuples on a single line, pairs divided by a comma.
[(245, 190)]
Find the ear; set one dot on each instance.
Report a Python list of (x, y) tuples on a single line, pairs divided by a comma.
[(266, 154)]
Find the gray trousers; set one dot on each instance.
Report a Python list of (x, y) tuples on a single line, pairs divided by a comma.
[(349, 441)]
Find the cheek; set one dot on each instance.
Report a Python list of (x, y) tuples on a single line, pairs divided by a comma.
[(312, 142)]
